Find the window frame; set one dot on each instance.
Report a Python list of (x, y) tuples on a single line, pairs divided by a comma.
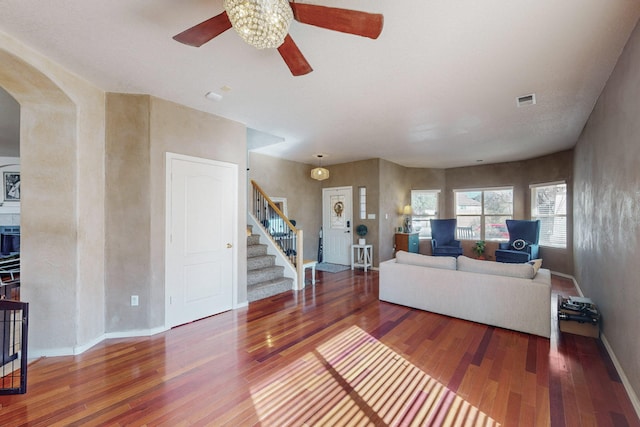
[(425, 218), (536, 215), (362, 202), (482, 215)]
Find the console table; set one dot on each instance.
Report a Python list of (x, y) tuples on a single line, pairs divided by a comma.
[(361, 256)]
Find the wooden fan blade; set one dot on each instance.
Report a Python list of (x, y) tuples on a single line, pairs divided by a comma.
[(293, 57), (344, 20), (204, 31)]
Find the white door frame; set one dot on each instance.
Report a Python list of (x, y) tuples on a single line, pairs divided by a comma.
[(348, 234), (168, 221)]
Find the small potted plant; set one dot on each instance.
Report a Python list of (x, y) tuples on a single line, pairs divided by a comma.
[(362, 231), (479, 248)]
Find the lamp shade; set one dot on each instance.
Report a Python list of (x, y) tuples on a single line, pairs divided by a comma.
[(320, 173), (407, 210)]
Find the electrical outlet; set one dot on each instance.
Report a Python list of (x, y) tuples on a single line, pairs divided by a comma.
[(134, 300)]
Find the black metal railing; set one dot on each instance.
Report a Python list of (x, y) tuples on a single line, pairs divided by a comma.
[(281, 229), (14, 322)]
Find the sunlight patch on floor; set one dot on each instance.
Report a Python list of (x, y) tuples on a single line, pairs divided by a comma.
[(353, 379)]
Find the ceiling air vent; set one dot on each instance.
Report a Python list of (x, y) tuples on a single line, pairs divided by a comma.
[(523, 101)]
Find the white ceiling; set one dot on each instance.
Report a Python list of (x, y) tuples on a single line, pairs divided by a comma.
[(438, 88)]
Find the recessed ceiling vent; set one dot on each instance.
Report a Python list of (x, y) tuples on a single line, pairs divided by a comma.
[(525, 100)]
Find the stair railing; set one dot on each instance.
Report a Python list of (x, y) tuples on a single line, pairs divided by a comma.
[(14, 325), (283, 233)]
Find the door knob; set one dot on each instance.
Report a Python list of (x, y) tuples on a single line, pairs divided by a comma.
[(229, 245)]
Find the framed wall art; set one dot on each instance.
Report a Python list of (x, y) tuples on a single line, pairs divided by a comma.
[(11, 186)]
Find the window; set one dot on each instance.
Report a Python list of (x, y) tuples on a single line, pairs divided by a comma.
[(482, 213), (424, 206), (363, 202), (549, 205)]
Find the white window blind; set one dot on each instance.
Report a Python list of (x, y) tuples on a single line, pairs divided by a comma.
[(424, 206), (549, 205)]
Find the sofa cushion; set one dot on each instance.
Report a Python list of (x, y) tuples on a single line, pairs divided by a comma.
[(523, 271), (445, 262)]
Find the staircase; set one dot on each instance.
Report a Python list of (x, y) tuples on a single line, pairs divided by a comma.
[(264, 278)]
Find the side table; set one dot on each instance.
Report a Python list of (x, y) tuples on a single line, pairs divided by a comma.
[(361, 256), (578, 316), (312, 265)]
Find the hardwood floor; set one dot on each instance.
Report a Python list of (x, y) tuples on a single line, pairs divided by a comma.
[(210, 372)]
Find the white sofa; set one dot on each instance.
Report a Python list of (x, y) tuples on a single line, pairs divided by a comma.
[(511, 296)]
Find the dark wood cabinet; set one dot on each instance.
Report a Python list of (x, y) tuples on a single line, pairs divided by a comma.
[(408, 242)]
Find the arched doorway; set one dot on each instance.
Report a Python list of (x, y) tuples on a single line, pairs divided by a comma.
[(9, 176), (51, 227)]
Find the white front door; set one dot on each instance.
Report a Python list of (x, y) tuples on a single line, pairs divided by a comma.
[(337, 224), (200, 242)]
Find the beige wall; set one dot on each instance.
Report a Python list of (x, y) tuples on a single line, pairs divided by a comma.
[(283, 178), (363, 173), (182, 130), (77, 281), (393, 197), (519, 175), (427, 179), (62, 206), (389, 188), (607, 210), (397, 183), (140, 131), (128, 214)]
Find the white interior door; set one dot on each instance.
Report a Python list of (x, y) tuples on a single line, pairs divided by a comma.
[(201, 230), (337, 223)]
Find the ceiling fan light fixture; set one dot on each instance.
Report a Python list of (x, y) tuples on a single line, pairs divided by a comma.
[(261, 23)]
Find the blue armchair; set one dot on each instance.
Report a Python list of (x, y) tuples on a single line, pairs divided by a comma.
[(443, 238), (523, 242)]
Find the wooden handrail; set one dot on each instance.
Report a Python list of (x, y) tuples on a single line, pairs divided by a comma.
[(292, 248), (274, 206)]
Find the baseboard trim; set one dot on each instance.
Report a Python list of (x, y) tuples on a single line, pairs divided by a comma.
[(53, 352), (82, 348), (633, 397), (136, 333), (623, 377), (79, 349)]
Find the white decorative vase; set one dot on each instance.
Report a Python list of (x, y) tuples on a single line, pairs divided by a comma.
[(362, 242)]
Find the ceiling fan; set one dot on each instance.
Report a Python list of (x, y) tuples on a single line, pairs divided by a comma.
[(344, 20)]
